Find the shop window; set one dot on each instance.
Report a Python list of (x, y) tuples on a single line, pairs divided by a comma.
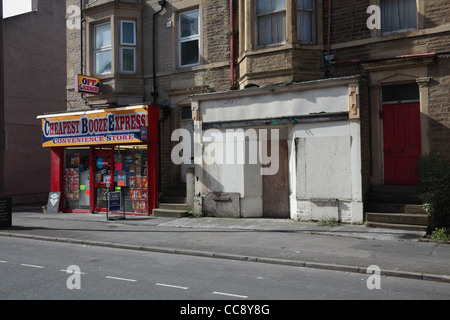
[(130, 177), (398, 15), (189, 39), (102, 48), (128, 47), (271, 21), (76, 190), (306, 21)]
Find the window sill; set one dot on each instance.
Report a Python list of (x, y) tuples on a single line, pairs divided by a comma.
[(283, 47), (390, 37), (395, 32)]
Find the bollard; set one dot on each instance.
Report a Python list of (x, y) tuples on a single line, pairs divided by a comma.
[(5, 212)]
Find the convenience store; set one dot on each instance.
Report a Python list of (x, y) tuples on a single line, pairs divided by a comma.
[(95, 152)]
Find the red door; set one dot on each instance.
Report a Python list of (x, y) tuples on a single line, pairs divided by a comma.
[(103, 178), (401, 143)]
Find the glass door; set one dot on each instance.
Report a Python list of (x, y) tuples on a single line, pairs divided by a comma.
[(131, 178), (103, 177)]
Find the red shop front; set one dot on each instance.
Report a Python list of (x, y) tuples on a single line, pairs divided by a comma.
[(100, 151)]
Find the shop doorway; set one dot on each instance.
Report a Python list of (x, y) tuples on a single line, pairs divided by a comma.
[(276, 187), (104, 177), (124, 169)]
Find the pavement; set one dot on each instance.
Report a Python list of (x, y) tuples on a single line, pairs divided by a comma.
[(347, 248)]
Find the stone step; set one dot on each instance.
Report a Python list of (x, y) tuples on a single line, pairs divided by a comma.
[(394, 208), (409, 227), (397, 218), (175, 193), (392, 198), (169, 213), (405, 190), (176, 206), (172, 199)]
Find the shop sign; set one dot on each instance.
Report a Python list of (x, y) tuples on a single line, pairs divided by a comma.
[(53, 202), (114, 201), (102, 164), (108, 126), (85, 84)]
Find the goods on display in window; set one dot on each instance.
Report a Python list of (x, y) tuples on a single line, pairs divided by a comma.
[(139, 205), (102, 193), (75, 159), (71, 184)]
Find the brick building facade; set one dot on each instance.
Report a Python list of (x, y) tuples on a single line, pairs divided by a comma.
[(34, 46), (217, 45)]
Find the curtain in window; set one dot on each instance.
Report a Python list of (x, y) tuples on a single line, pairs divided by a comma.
[(128, 33), (189, 38), (102, 49), (271, 16), (398, 15), (103, 62), (128, 57), (305, 21), (102, 36)]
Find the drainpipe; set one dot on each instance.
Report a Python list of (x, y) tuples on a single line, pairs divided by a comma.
[(81, 48), (155, 93), (81, 37), (232, 45), (329, 27), (2, 105)]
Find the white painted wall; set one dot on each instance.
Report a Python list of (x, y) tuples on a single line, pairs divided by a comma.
[(276, 105), (328, 171), (324, 157)]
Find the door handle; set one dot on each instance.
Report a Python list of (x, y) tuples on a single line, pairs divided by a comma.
[(402, 149), (387, 150)]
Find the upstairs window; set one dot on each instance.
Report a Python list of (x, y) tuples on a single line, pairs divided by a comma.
[(128, 47), (271, 21), (306, 22), (189, 39), (102, 48), (398, 15)]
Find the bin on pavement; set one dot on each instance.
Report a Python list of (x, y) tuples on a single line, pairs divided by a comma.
[(5, 212)]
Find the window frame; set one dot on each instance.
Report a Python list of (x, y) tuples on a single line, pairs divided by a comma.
[(387, 33), (128, 46), (190, 38), (257, 16), (102, 49), (313, 22)]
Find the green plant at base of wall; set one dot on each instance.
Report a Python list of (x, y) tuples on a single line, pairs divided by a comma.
[(434, 183)]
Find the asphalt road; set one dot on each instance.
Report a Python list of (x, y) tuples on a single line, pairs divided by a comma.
[(31, 269)]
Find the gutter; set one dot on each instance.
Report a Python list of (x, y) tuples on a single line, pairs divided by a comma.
[(421, 55)]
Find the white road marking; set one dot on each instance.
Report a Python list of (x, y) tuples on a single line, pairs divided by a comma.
[(32, 266), (3, 261), (71, 271), (171, 286), (230, 294), (123, 279)]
